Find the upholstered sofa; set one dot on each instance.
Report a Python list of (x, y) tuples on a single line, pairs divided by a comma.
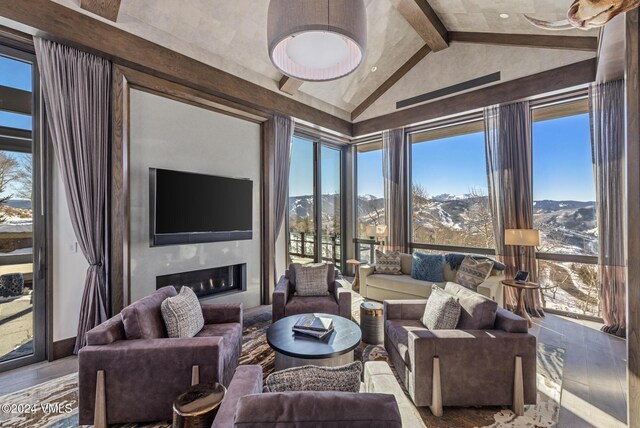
[(380, 287), (380, 403), (133, 367), (488, 360), (286, 303)]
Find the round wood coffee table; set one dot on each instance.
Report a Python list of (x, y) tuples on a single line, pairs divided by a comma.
[(295, 351), (520, 287)]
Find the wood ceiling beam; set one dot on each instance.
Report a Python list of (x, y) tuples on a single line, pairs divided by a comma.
[(61, 24), (15, 100), (568, 76), (392, 80), (575, 43), (105, 8), (289, 85), (421, 16)]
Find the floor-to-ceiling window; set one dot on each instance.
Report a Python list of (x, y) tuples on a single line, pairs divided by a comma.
[(369, 202), (315, 201), (564, 208), (448, 194), (22, 305)]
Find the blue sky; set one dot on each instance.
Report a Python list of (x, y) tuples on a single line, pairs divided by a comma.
[(561, 163), (15, 74)]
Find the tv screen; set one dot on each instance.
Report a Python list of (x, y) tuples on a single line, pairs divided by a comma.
[(189, 208)]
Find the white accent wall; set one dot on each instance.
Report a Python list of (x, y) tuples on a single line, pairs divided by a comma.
[(173, 135)]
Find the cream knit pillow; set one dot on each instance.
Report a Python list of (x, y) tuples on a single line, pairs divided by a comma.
[(182, 314)]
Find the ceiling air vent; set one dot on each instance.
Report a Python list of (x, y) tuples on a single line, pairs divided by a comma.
[(458, 87)]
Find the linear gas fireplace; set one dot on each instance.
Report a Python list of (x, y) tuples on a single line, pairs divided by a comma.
[(208, 282)]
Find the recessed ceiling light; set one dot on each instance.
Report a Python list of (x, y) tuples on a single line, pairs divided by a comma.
[(504, 15), (374, 69)]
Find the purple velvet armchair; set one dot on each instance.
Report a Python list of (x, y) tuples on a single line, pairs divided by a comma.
[(286, 303), (130, 371)]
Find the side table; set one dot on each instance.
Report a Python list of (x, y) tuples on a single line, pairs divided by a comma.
[(198, 406), (372, 322), (520, 288)]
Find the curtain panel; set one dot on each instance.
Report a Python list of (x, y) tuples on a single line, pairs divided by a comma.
[(77, 90), (509, 172), (283, 128), (394, 167), (606, 113)]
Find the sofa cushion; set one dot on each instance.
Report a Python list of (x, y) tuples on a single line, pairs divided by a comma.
[(442, 311), (428, 267), (344, 378), (406, 263), (317, 409), (143, 319), (311, 280), (472, 273), (182, 314), (401, 284), (231, 331), (388, 263), (304, 305), (397, 332), (477, 311), (108, 332), (291, 274)]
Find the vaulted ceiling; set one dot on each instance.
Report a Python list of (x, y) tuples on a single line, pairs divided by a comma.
[(231, 35)]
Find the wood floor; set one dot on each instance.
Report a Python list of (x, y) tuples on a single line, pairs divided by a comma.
[(594, 381)]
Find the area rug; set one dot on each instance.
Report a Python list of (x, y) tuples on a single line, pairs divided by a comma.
[(255, 350)]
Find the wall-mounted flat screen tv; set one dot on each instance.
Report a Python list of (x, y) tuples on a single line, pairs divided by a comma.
[(189, 208)]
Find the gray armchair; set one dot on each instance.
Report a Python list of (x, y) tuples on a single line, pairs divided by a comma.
[(130, 371), (491, 363), (286, 303)]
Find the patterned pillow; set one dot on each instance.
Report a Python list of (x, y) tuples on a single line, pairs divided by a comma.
[(388, 263), (428, 267), (472, 272), (182, 314), (442, 311), (311, 280), (315, 378)]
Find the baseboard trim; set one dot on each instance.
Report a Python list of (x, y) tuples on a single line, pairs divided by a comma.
[(62, 348)]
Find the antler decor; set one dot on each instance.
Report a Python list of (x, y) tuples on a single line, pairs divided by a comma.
[(587, 14)]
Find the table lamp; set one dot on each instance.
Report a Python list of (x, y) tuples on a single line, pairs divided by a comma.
[(522, 238)]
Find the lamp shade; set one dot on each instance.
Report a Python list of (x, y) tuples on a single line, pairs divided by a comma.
[(376, 230), (526, 237), (317, 40)]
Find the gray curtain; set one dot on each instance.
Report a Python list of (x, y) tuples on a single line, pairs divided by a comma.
[(508, 151), (283, 128), (77, 90), (394, 168), (606, 108)]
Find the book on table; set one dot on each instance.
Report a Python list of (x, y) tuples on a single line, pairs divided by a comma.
[(315, 334), (313, 323)]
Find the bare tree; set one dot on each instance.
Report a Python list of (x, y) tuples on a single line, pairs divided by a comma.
[(479, 220), (24, 176), (9, 173)]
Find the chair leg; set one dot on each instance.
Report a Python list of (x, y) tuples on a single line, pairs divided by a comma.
[(518, 388), (195, 375), (100, 408), (436, 390)]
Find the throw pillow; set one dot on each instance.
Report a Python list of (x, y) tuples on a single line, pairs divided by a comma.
[(182, 314), (315, 378), (388, 263), (428, 267), (477, 312), (472, 272), (311, 280), (442, 311)]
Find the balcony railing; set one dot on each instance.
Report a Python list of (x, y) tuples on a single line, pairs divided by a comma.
[(302, 246)]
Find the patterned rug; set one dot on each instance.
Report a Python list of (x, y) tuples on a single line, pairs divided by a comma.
[(255, 350)]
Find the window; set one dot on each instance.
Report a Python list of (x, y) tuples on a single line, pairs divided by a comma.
[(22, 238), (370, 194), (449, 199), (315, 201), (564, 207)]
